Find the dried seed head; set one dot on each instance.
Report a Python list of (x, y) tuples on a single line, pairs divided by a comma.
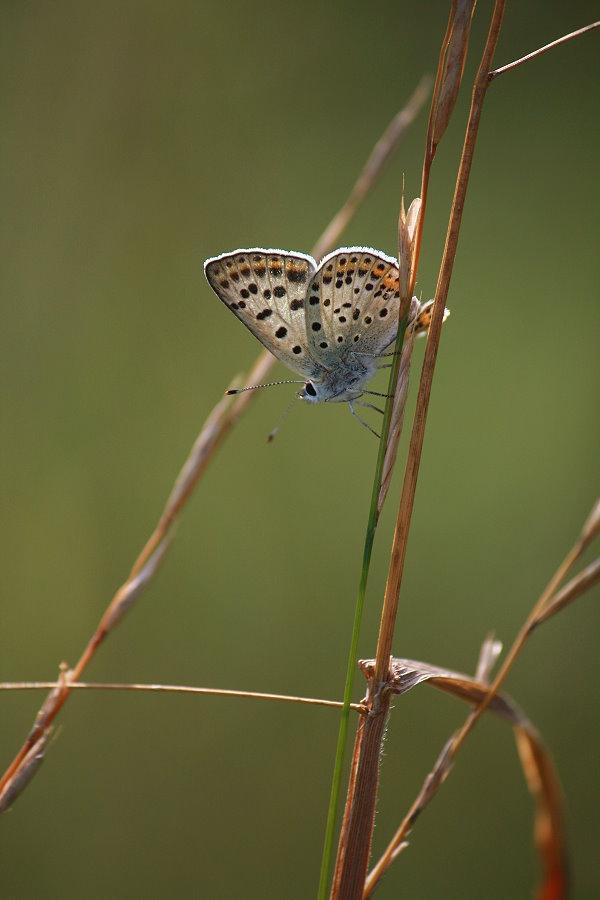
[(407, 227), (489, 653), (453, 68), (29, 766), (592, 524)]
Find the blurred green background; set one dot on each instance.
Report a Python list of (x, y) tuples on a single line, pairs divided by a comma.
[(138, 139)]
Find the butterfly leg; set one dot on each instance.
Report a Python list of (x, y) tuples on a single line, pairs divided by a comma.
[(362, 422), (376, 355), (370, 406), (377, 394)]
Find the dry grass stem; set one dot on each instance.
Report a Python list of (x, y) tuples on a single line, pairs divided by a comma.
[(433, 338), (577, 586), (359, 813), (544, 49), (343, 838), (221, 420), (171, 689), (355, 841), (133, 587)]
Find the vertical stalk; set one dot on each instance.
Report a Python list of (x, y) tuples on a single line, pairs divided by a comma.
[(358, 613), (353, 856)]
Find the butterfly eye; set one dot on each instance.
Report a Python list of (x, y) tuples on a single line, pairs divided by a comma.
[(310, 389)]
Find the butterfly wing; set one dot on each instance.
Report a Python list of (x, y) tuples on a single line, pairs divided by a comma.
[(424, 316), (266, 290), (352, 304)]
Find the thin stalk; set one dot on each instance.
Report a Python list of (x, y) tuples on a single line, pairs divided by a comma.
[(396, 569), (358, 613), (540, 50), (172, 689), (358, 838), (370, 535)]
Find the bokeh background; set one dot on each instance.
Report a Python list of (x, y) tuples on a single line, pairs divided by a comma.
[(138, 139)]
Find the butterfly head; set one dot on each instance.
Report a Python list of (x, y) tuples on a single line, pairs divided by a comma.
[(310, 392), (337, 388)]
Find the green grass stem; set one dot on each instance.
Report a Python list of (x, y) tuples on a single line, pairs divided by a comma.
[(358, 613)]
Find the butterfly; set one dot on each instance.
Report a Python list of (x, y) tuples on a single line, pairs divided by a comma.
[(330, 322)]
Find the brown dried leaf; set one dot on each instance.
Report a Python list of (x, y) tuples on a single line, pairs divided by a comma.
[(549, 830), (538, 767), (408, 673)]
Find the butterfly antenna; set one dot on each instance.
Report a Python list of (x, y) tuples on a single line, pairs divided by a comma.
[(255, 387), (284, 416)]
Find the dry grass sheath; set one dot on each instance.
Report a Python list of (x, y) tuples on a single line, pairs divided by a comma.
[(386, 676)]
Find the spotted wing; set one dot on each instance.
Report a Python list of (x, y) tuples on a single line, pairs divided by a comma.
[(266, 290), (424, 316), (352, 303)]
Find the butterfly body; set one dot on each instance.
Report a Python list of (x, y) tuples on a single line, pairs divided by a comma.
[(339, 385)]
